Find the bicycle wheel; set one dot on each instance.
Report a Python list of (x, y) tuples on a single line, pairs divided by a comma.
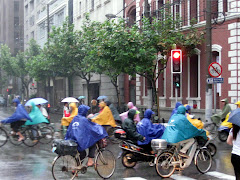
[(127, 160), (46, 135), (31, 136), (203, 160), (164, 166), (212, 149), (3, 137), (14, 139), (105, 164), (64, 167)]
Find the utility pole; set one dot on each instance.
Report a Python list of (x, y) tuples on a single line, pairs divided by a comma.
[(48, 32), (208, 100)]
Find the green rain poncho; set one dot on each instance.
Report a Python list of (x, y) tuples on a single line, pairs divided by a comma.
[(36, 116), (216, 118)]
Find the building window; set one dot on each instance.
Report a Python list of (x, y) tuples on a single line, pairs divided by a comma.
[(92, 5), (194, 75), (80, 8), (60, 18), (32, 35), (225, 6), (16, 7), (86, 6), (132, 16), (193, 11), (16, 21), (42, 30), (32, 20), (26, 10), (214, 9), (160, 9), (26, 24), (31, 5), (176, 9)]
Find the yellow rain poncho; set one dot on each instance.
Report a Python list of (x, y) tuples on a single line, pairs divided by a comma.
[(105, 117), (67, 120), (226, 123)]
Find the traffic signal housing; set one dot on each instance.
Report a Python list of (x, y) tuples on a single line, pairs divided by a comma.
[(176, 80), (176, 61)]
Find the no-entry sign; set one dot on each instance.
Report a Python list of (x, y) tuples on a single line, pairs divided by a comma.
[(215, 69)]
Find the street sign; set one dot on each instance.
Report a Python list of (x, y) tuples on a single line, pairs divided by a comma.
[(215, 69), (214, 80)]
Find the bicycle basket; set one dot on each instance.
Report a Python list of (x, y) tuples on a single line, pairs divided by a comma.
[(201, 141), (65, 147), (102, 143)]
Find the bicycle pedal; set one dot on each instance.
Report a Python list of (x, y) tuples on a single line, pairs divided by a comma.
[(83, 170)]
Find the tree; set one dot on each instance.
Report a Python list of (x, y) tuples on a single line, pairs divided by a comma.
[(16, 66)]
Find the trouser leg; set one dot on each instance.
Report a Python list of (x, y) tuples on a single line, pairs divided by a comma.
[(188, 143), (235, 159), (92, 150)]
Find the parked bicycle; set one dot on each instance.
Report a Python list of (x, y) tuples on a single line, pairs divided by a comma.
[(68, 163), (168, 158)]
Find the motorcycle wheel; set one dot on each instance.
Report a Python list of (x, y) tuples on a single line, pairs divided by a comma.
[(223, 135), (125, 160), (212, 149)]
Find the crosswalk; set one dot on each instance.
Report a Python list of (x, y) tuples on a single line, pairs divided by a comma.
[(213, 174)]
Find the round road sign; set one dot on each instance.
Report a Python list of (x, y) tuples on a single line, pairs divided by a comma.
[(215, 69)]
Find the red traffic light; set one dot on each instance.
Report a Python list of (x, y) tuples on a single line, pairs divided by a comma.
[(32, 84), (7, 90), (176, 55), (176, 61)]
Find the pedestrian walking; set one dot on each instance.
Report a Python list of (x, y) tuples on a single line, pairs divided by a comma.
[(234, 140)]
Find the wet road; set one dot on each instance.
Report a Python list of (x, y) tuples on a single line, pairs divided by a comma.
[(25, 163)]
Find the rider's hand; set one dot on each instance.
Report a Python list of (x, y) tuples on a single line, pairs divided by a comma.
[(144, 138)]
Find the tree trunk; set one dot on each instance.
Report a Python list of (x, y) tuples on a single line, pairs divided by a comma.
[(70, 86), (88, 93)]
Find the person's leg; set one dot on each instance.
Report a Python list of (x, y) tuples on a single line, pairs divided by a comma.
[(64, 128), (188, 143), (235, 159), (91, 155)]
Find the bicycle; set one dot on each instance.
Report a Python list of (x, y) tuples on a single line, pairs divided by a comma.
[(68, 166), (169, 160), (3, 136), (30, 136)]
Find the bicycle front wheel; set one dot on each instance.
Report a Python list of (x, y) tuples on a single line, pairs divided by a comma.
[(164, 165), (3, 137), (105, 164), (31, 137), (46, 135), (64, 167), (203, 160)]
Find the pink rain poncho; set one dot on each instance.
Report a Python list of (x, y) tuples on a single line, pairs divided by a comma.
[(125, 114)]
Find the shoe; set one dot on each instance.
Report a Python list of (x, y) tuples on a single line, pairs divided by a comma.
[(20, 139), (183, 155), (90, 165)]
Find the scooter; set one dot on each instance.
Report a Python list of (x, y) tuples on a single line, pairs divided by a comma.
[(223, 132), (131, 153)]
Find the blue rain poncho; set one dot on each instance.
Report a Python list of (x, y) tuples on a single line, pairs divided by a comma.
[(84, 132), (174, 111), (19, 114), (149, 130), (179, 128), (36, 116)]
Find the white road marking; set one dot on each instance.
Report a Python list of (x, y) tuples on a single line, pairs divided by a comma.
[(134, 178), (221, 175), (180, 177)]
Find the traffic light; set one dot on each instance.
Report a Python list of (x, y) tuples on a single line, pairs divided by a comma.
[(176, 61), (176, 80)]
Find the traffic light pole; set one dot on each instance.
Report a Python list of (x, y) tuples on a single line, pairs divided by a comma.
[(176, 95), (208, 99)]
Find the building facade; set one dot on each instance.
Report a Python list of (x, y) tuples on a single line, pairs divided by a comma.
[(98, 10), (11, 34), (225, 51)]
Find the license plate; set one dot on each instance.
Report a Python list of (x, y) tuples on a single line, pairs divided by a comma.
[(54, 149)]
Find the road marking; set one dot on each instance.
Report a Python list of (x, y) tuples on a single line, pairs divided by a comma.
[(221, 175), (180, 177), (134, 178)]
